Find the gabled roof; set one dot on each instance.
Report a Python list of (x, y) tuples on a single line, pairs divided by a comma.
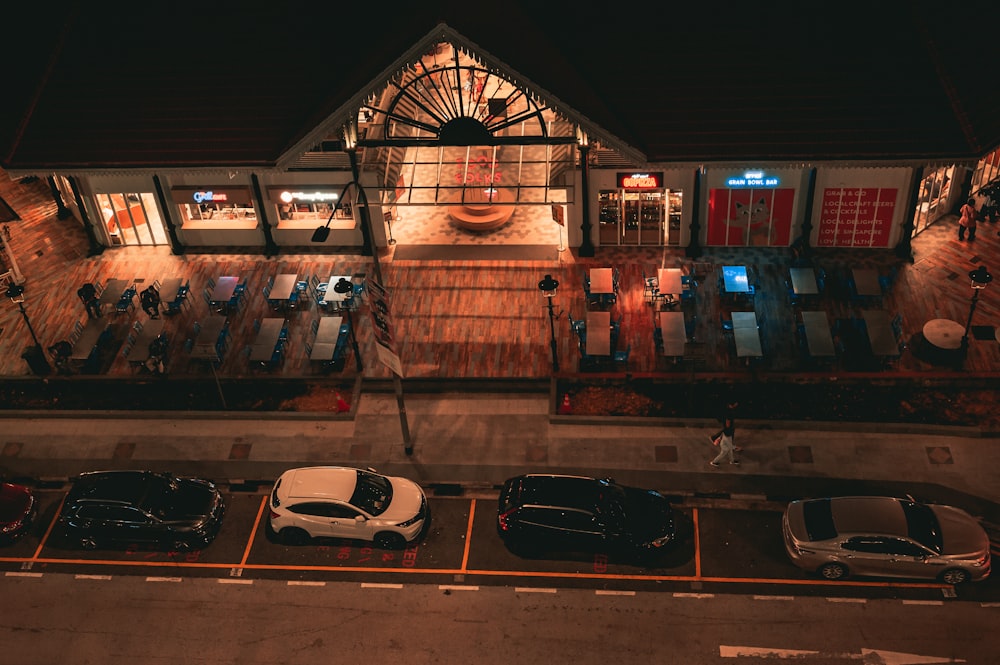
[(228, 84)]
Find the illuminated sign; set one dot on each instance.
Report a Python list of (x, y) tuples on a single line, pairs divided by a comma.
[(640, 180), (311, 197), (753, 179), (202, 197)]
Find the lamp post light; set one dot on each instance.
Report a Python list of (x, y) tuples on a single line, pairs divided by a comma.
[(35, 356), (344, 287), (548, 288), (981, 278)]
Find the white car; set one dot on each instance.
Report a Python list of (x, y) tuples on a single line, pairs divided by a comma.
[(343, 502)]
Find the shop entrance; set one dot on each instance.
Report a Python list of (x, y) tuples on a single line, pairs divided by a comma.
[(131, 218), (648, 217)]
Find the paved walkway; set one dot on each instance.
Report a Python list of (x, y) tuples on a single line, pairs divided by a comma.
[(474, 442)]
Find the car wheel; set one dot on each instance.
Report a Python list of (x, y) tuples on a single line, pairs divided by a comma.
[(955, 576), (88, 543), (294, 536), (833, 571), (387, 540)]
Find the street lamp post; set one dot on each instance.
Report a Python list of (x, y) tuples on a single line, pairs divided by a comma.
[(548, 288), (344, 287), (35, 356), (981, 278)]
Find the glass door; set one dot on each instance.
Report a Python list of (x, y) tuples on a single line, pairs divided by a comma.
[(131, 218)]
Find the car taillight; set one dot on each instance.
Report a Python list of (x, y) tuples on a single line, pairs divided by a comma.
[(502, 520)]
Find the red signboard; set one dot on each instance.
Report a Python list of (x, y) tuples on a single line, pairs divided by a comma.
[(750, 217), (856, 217), (640, 180)]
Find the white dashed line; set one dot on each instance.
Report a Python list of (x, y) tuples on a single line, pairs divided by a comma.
[(605, 592), (449, 587), (305, 583), (164, 579), (694, 595), (226, 580), (846, 600), (989, 604), (93, 577), (774, 597), (374, 585), (532, 589), (14, 573), (923, 602)]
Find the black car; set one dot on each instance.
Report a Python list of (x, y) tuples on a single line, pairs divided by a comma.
[(557, 513), (140, 508)]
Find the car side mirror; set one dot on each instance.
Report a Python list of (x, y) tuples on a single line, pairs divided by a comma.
[(359, 519)]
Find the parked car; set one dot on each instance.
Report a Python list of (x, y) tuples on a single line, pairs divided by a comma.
[(557, 513), (885, 537), (344, 502), (144, 508), (17, 511)]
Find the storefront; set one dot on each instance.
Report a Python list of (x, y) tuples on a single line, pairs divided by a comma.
[(752, 207), (939, 195), (640, 208), (124, 211), (862, 207)]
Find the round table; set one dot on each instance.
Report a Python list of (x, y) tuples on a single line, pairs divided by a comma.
[(944, 333)]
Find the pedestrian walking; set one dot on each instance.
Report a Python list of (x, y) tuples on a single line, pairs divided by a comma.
[(725, 443), (88, 296), (728, 415), (967, 222)]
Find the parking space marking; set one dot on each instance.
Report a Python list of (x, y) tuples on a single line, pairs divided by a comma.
[(228, 580), (14, 573), (468, 535), (376, 585), (454, 587), (694, 595), (92, 577), (607, 592), (923, 602), (847, 600), (774, 597), (305, 583), (697, 544), (253, 531), (164, 579), (532, 589)]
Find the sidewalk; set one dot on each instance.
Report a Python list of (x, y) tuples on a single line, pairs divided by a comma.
[(473, 442)]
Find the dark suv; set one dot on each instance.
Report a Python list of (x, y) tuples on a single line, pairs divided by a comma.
[(136, 508), (555, 513)]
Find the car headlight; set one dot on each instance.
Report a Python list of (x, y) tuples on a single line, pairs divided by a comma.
[(410, 522)]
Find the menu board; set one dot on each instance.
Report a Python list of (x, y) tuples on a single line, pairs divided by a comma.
[(856, 217)]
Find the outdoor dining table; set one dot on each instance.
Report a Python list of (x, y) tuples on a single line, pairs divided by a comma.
[(170, 289), (602, 281), (327, 335), (803, 281), (598, 334), (266, 341), (668, 280), (224, 289), (747, 335), (330, 296), (283, 287), (150, 330), (944, 333), (207, 341), (674, 334), (880, 334), (89, 338), (818, 338), (866, 282), (113, 291), (735, 280)]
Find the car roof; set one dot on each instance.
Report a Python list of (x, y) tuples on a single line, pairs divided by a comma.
[(579, 492), (125, 486), (320, 482), (865, 514)]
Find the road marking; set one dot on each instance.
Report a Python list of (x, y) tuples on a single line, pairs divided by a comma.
[(375, 585), (163, 579), (608, 592), (923, 602), (532, 589), (774, 597), (989, 604), (694, 595), (226, 580), (93, 577), (14, 573), (847, 600), (305, 583), (456, 587), (867, 655)]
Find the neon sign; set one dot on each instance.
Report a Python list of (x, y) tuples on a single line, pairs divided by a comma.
[(752, 179), (640, 180), (202, 197), (288, 197)]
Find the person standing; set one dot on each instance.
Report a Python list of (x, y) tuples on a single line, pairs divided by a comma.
[(726, 448), (88, 296), (967, 222)]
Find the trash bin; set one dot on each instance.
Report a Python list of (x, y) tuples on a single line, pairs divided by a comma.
[(35, 357)]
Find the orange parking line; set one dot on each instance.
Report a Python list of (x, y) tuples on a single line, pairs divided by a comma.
[(48, 531), (468, 535), (697, 544), (253, 531)]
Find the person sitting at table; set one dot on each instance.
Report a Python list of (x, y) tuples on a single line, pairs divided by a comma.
[(88, 296), (150, 300), (61, 352)]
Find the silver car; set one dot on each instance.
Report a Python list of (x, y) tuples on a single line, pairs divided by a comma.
[(885, 537)]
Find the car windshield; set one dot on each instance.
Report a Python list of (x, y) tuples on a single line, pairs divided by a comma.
[(373, 493), (923, 525)]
